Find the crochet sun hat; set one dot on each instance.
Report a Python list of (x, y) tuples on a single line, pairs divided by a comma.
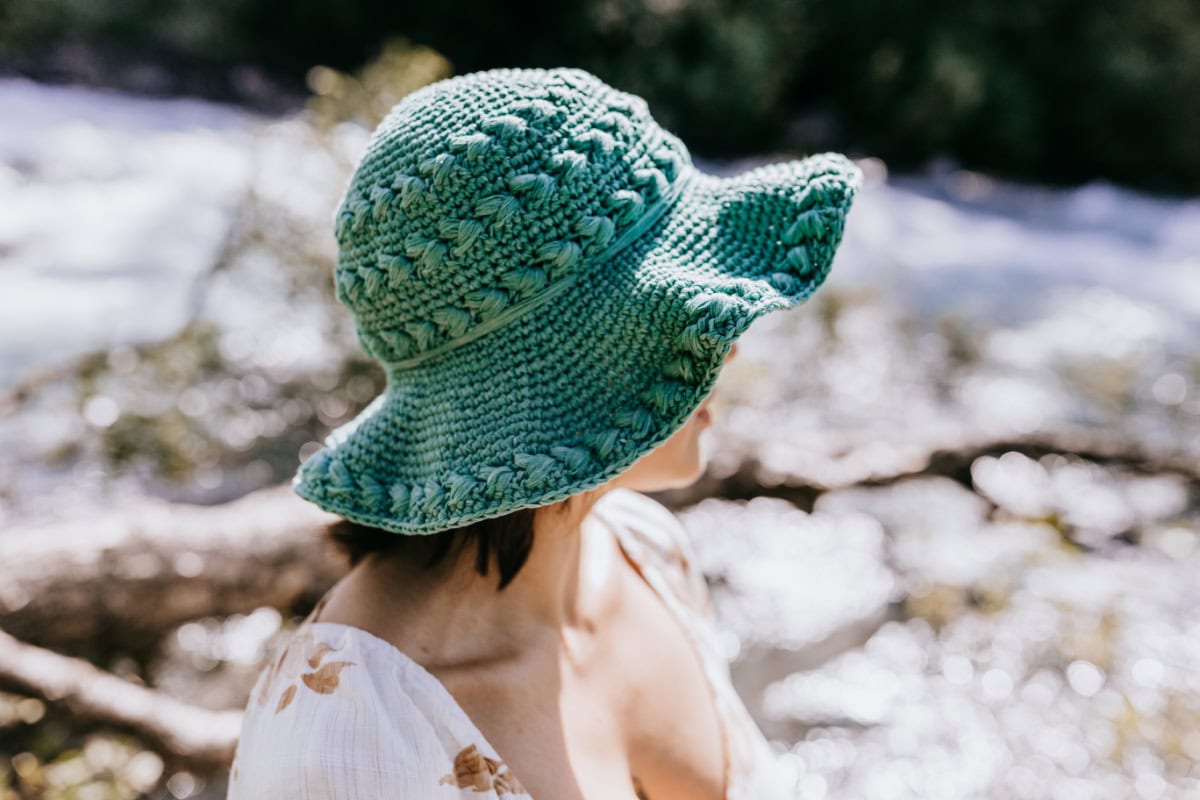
[(551, 287)]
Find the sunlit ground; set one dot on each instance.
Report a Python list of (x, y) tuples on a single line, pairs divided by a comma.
[(974, 574)]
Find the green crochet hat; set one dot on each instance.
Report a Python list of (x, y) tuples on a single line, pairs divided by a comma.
[(551, 287)]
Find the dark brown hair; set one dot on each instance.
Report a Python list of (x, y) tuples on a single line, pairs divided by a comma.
[(509, 537)]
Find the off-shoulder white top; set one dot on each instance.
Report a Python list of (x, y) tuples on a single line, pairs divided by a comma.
[(344, 714)]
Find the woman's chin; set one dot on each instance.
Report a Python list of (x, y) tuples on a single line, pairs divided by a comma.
[(688, 469)]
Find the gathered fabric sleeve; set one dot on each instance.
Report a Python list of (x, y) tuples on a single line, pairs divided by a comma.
[(663, 543), (337, 715), (315, 730)]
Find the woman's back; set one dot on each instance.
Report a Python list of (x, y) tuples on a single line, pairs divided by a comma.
[(630, 703), (551, 287)]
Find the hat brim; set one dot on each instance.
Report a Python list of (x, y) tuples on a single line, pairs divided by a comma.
[(571, 394)]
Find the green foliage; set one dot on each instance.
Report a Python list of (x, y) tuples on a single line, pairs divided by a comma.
[(367, 95), (62, 766), (1056, 90), (1037, 88)]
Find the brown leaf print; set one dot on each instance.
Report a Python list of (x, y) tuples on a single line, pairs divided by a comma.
[(318, 652), (286, 698), (473, 770), (325, 680)]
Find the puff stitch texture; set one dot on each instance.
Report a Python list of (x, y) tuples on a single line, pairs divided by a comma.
[(551, 287)]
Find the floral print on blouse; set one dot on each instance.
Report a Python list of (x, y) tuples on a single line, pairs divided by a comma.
[(341, 713)]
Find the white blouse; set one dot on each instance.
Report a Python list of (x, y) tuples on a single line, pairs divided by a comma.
[(344, 714)]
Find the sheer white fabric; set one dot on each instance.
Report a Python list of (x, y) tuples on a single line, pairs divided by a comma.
[(344, 714)]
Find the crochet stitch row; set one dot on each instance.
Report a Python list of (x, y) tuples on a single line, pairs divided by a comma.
[(551, 287), (480, 201)]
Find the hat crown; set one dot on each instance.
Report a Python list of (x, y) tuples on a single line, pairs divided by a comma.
[(480, 197)]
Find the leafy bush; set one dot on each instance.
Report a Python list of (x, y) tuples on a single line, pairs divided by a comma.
[(1056, 90)]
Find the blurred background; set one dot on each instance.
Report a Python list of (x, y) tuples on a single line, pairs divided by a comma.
[(966, 553)]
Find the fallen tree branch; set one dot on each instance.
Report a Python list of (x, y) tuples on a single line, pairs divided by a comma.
[(197, 738), (124, 579), (816, 473)]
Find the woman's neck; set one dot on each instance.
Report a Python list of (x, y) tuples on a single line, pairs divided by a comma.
[(450, 614)]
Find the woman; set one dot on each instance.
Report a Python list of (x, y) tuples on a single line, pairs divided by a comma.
[(552, 289)]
